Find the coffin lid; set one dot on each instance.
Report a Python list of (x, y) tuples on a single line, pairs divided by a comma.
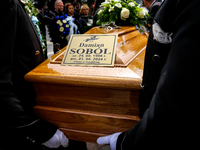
[(127, 72)]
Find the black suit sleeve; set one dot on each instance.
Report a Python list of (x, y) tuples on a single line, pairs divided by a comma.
[(171, 119), (15, 119)]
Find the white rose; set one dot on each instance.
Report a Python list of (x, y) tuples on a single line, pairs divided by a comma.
[(64, 21), (125, 14), (58, 22), (61, 29), (118, 5), (131, 4), (142, 13)]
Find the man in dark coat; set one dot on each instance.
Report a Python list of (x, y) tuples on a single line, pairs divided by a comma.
[(169, 99), (20, 52), (54, 32)]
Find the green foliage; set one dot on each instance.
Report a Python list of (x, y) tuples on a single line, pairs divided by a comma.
[(123, 12)]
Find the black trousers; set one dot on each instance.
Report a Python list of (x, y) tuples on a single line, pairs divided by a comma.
[(28, 145)]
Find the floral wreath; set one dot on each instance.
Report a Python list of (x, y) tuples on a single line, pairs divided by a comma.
[(32, 12), (63, 25), (123, 12)]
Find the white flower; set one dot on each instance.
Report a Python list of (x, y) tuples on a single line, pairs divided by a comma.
[(24, 1), (118, 5), (64, 21), (117, 0), (142, 13), (125, 14), (131, 4), (58, 22), (104, 3), (61, 29), (100, 12), (111, 8)]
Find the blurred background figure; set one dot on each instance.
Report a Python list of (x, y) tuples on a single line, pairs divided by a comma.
[(69, 10), (86, 21), (153, 6), (54, 33), (77, 6)]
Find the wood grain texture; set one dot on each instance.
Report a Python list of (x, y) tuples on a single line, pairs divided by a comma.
[(88, 102), (86, 121)]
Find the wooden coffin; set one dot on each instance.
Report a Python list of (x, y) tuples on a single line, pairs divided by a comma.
[(89, 102)]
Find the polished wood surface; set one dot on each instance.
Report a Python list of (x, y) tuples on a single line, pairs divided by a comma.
[(88, 102)]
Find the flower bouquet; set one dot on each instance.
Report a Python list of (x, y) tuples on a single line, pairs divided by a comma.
[(122, 13), (63, 26), (66, 26)]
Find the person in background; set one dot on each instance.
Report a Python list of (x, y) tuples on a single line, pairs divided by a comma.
[(69, 10), (153, 6), (77, 6), (169, 100), (21, 51), (51, 4), (86, 21), (53, 31)]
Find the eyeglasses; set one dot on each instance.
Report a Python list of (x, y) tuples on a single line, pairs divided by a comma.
[(60, 5)]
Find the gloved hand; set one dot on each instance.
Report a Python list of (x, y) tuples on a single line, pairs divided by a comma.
[(57, 140), (111, 139)]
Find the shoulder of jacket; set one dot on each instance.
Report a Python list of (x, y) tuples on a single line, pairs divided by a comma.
[(8, 4)]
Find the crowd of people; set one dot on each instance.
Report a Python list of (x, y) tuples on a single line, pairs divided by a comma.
[(81, 21), (82, 16)]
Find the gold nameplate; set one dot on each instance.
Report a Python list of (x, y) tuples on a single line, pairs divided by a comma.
[(91, 50)]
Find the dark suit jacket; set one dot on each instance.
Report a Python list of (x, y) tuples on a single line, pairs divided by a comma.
[(170, 94), (153, 10), (20, 52)]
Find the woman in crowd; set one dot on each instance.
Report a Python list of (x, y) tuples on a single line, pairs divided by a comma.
[(85, 19), (69, 10)]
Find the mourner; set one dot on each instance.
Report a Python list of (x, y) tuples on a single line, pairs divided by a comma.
[(170, 88), (152, 6), (58, 42), (21, 51), (86, 21), (69, 10)]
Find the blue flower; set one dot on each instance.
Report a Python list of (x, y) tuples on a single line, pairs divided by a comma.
[(61, 17), (57, 17), (66, 29), (66, 15)]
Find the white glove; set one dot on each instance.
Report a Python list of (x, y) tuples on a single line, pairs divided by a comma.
[(111, 139), (57, 140)]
